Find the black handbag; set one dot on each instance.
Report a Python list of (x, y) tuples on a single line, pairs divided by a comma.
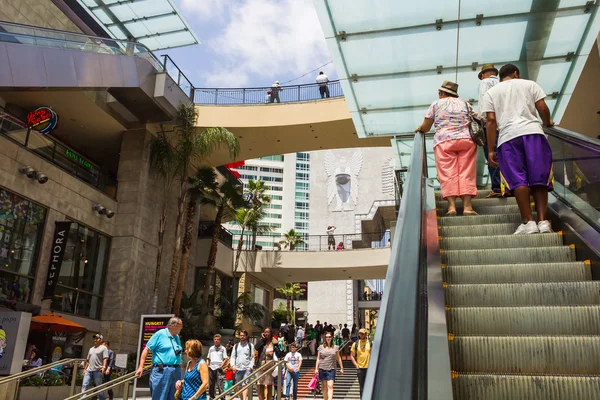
[(475, 128)]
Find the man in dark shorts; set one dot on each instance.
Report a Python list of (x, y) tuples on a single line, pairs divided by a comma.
[(524, 155)]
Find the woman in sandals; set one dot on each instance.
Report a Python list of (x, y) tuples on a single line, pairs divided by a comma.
[(454, 150), (328, 355), (195, 381)]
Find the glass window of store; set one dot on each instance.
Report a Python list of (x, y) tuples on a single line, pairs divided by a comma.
[(21, 229), (81, 283)]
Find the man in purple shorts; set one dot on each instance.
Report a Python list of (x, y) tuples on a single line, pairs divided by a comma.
[(524, 155)]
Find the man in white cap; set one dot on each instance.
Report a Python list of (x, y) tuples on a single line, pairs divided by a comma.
[(275, 89), (95, 365)]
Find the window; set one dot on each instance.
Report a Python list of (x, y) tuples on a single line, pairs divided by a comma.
[(276, 197), (301, 215), (247, 168), (302, 196), (81, 281), (271, 179), (302, 156), (21, 228), (275, 188), (274, 170), (302, 176), (302, 167), (301, 225), (273, 158), (274, 216), (303, 185), (300, 205), (274, 206), (248, 177)]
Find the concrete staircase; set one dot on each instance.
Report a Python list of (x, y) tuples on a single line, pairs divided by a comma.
[(346, 386)]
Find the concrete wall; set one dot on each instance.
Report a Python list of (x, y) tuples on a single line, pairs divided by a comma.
[(246, 285), (328, 302), (42, 13), (225, 256)]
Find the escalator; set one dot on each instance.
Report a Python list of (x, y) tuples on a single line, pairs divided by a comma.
[(474, 312)]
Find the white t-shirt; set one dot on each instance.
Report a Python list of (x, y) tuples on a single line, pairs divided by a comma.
[(485, 85), (322, 80), (216, 356), (293, 359), (513, 101)]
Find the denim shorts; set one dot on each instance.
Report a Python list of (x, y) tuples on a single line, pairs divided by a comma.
[(241, 375), (326, 375)]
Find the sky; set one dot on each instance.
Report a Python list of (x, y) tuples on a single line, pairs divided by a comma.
[(252, 43)]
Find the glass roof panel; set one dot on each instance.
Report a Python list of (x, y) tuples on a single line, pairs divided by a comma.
[(393, 55), (142, 19)]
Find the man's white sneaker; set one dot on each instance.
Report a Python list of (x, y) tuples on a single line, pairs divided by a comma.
[(544, 227), (527, 229)]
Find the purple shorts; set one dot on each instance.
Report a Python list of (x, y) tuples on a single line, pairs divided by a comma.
[(526, 161)]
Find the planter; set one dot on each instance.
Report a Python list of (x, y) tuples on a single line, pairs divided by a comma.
[(58, 392), (227, 332), (33, 392)]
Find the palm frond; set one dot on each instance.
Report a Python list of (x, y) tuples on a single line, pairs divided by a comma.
[(212, 138), (162, 157)]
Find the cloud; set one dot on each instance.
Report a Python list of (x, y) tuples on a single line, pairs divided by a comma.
[(204, 9), (263, 39)]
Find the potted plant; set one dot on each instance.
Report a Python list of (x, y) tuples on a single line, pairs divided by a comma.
[(32, 387), (57, 389)]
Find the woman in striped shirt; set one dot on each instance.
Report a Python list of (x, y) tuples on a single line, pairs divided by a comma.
[(195, 380)]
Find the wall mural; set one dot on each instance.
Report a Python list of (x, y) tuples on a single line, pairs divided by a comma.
[(342, 181)]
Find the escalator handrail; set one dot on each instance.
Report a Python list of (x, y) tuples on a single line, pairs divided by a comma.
[(39, 370), (392, 373), (574, 138)]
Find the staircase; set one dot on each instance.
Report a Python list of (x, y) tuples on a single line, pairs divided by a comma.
[(346, 386), (523, 315)]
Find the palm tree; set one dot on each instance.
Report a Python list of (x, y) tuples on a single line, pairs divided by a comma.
[(192, 145), (162, 163), (243, 306), (291, 291), (292, 239), (258, 199), (226, 197)]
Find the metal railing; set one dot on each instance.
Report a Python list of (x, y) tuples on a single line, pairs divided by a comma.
[(43, 369), (124, 380), (178, 76), (348, 241), (259, 95), (398, 360), (207, 229)]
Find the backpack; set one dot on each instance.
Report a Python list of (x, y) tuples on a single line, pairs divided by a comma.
[(355, 347), (250, 356)]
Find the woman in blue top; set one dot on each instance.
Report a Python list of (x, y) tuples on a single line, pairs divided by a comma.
[(195, 380)]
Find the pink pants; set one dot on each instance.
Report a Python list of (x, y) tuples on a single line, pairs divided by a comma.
[(455, 164)]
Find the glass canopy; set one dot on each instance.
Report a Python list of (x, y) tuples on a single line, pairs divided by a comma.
[(155, 23), (392, 55)]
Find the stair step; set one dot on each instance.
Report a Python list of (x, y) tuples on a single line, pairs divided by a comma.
[(523, 294), (480, 201), (578, 355), (554, 320), (480, 194), (512, 256), (530, 387), (501, 241), (514, 273), (478, 230), (482, 219), (486, 210)]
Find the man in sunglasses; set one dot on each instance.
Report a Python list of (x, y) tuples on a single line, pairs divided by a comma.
[(166, 360)]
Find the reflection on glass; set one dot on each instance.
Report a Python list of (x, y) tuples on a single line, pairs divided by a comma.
[(76, 302), (21, 225)]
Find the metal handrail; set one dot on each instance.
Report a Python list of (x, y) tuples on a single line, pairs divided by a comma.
[(396, 369), (351, 241), (573, 138), (37, 370), (122, 380)]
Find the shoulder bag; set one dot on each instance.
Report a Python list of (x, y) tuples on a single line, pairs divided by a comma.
[(475, 127), (178, 391)]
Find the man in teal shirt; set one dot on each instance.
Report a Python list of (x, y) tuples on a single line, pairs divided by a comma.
[(166, 360)]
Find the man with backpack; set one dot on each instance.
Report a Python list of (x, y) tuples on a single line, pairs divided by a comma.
[(242, 360), (360, 354)]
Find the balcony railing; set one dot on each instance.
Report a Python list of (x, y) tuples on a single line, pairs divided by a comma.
[(259, 95), (206, 230), (335, 242)]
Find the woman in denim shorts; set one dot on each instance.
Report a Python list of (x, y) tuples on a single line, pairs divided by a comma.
[(328, 354)]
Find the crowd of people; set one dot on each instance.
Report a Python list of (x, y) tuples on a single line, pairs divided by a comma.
[(516, 148), (226, 365)]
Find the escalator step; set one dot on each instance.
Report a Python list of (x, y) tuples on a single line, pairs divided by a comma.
[(487, 210), (480, 194), (529, 387), (565, 320), (577, 355), (479, 202), (478, 230), (513, 273), (523, 294), (508, 256), (501, 241), (482, 219)]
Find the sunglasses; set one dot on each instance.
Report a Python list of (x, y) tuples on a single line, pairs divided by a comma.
[(327, 337)]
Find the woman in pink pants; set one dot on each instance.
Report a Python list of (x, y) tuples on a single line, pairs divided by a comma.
[(455, 152)]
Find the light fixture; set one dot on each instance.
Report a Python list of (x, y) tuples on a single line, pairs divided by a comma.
[(41, 178), (101, 210), (33, 174)]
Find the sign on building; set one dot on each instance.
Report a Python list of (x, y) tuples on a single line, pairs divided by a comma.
[(14, 330), (57, 252)]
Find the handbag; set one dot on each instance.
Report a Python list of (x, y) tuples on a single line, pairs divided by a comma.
[(178, 391), (312, 385), (475, 128)]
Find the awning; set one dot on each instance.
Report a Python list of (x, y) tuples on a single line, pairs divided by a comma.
[(55, 323), (155, 23)]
